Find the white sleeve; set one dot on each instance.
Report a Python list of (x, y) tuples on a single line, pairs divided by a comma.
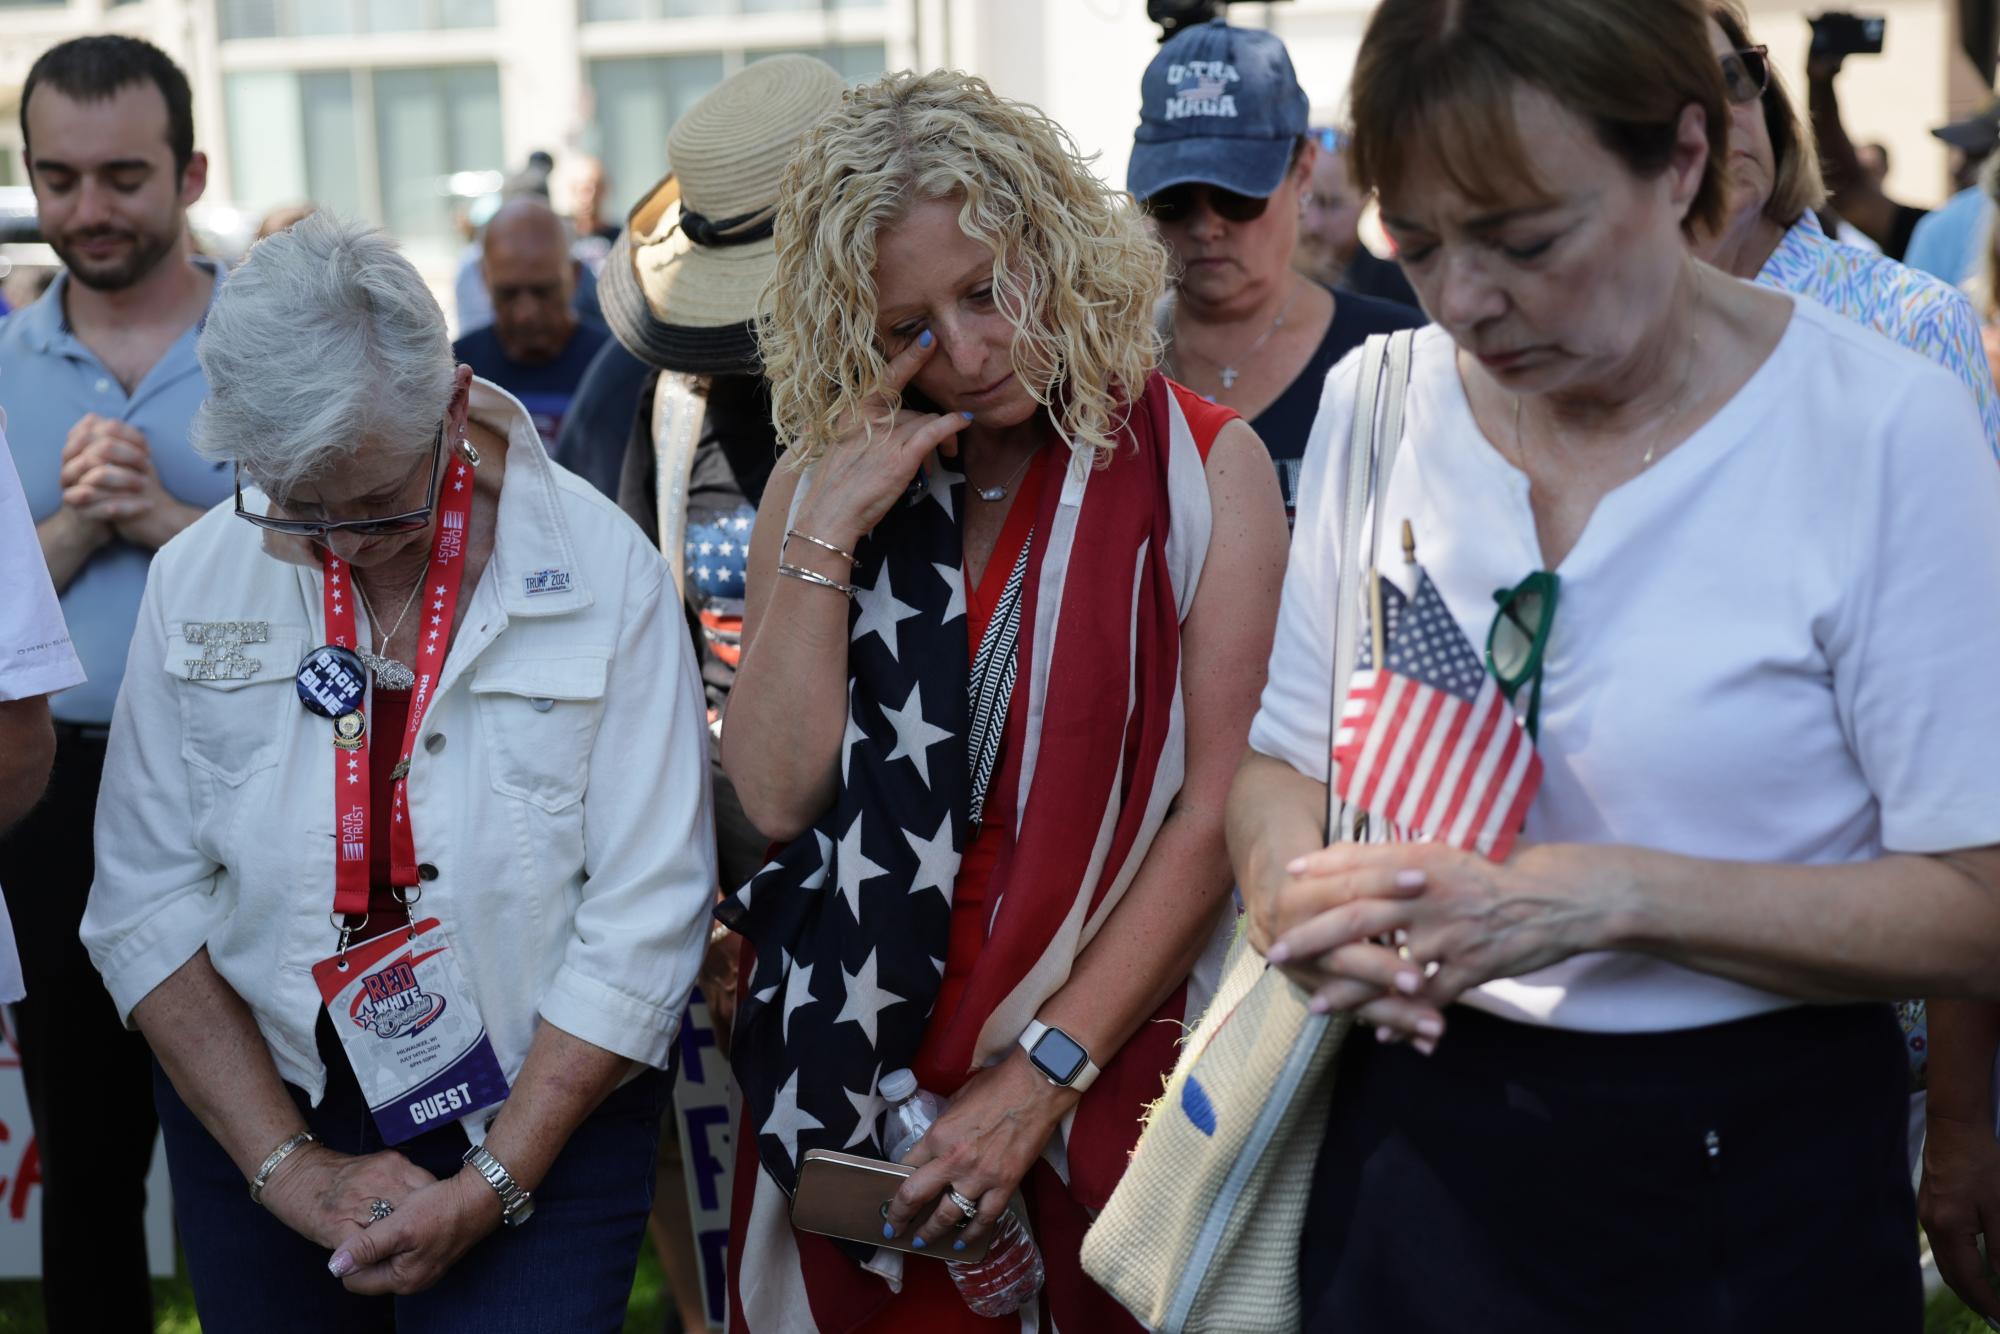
[(153, 904), (1293, 716), (649, 842), (36, 657), (1917, 643)]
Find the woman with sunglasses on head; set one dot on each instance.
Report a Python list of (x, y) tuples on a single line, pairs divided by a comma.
[(1770, 234), (403, 852), (1222, 162), (1640, 1071)]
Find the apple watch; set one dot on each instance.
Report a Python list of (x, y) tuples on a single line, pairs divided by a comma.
[(1060, 1057)]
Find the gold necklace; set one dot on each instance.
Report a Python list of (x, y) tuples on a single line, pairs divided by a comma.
[(1679, 401)]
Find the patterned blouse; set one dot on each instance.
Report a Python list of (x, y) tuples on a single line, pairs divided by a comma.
[(1924, 314)]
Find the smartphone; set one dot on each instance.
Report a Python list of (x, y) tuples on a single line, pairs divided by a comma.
[(847, 1196), (1840, 34)]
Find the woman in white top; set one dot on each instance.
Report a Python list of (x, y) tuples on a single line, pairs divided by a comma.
[(372, 930), (1643, 1093)]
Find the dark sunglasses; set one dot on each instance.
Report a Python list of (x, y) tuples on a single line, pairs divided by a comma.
[(1177, 203), (394, 523), (1520, 636), (1746, 74)]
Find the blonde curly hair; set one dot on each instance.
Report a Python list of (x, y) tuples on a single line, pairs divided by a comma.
[(1075, 266)]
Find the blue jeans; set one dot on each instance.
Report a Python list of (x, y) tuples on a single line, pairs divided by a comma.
[(569, 1267)]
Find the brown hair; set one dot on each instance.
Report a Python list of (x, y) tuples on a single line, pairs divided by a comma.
[(1439, 76), (1794, 155)]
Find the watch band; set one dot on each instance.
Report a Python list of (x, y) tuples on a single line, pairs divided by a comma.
[(1081, 1079), (517, 1205)]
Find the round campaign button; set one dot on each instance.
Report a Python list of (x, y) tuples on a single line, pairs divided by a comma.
[(331, 681)]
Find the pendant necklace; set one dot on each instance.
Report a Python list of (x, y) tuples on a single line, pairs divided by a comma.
[(389, 673), (1229, 374), (999, 493)]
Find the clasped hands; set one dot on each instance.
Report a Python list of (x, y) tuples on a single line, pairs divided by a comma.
[(109, 481), (1456, 920), (326, 1197)]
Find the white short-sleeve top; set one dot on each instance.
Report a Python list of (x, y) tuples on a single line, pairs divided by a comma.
[(1780, 643)]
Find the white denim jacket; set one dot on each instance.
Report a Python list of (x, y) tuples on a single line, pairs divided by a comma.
[(559, 796)]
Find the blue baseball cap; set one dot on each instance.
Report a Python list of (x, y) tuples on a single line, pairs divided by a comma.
[(1221, 106)]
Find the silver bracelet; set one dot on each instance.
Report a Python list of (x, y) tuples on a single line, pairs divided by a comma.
[(801, 573), (821, 543), (270, 1164)]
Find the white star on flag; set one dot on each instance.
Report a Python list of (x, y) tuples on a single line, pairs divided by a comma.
[(865, 1000), (880, 612), (937, 864), (954, 579), (854, 867), (868, 1108), (798, 993), (914, 734), (817, 880), (850, 736), (786, 1120)]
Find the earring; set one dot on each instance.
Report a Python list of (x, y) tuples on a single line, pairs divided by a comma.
[(467, 452)]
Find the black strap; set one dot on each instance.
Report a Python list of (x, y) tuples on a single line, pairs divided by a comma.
[(992, 683), (723, 231)]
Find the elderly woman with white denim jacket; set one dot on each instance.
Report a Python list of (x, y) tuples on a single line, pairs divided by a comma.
[(469, 936)]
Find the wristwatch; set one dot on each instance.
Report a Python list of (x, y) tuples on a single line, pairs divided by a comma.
[(516, 1204), (1060, 1057)]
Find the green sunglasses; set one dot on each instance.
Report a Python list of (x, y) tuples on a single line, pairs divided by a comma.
[(1520, 636)]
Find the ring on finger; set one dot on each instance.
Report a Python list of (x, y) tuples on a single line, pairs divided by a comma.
[(967, 1207), (379, 1209)]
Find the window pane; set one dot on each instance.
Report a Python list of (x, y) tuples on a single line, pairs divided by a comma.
[(249, 18), (465, 13), (637, 103), (679, 9), (395, 15), (794, 6), (412, 147), (323, 18), (264, 138), (613, 11), (857, 63), (472, 92), (332, 139)]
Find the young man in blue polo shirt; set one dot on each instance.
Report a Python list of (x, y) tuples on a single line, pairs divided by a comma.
[(99, 382)]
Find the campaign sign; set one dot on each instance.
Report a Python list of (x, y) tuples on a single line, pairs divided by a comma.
[(705, 1112), (21, 1184), (407, 1024)]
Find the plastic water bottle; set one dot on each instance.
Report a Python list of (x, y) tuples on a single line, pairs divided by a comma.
[(1011, 1274)]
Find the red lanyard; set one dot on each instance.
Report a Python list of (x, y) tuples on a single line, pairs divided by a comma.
[(351, 809)]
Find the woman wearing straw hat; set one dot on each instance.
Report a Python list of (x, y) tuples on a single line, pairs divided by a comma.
[(990, 701), (682, 290)]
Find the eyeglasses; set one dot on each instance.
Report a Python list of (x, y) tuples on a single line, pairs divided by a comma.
[(1746, 74), (1177, 203), (394, 523), (1519, 637), (1329, 140)]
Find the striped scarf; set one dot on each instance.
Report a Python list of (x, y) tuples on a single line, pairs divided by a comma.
[(849, 924)]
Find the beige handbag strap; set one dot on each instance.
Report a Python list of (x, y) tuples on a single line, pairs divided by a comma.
[(1371, 458), (679, 404)]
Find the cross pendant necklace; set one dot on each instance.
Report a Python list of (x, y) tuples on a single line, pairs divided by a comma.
[(1229, 374)]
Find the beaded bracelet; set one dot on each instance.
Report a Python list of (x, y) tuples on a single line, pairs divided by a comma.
[(821, 543), (804, 575)]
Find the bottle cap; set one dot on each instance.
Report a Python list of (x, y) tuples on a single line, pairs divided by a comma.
[(898, 1085)]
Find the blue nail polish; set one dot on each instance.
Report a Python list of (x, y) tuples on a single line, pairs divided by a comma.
[(924, 339), (958, 1245), (966, 415), (888, 1231), (917, 1242)]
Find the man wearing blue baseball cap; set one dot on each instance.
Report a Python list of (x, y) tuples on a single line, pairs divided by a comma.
[(1222, 162)]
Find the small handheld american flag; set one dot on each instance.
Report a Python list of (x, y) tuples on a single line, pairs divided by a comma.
[(1427, 742)]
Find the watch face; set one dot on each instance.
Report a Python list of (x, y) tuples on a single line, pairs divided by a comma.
[(1059, 1056)]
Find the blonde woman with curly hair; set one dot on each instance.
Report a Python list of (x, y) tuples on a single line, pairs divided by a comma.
[(1007, 616)]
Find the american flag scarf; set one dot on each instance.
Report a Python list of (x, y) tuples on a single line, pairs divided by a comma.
[(1427, 743), (849, 924)]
